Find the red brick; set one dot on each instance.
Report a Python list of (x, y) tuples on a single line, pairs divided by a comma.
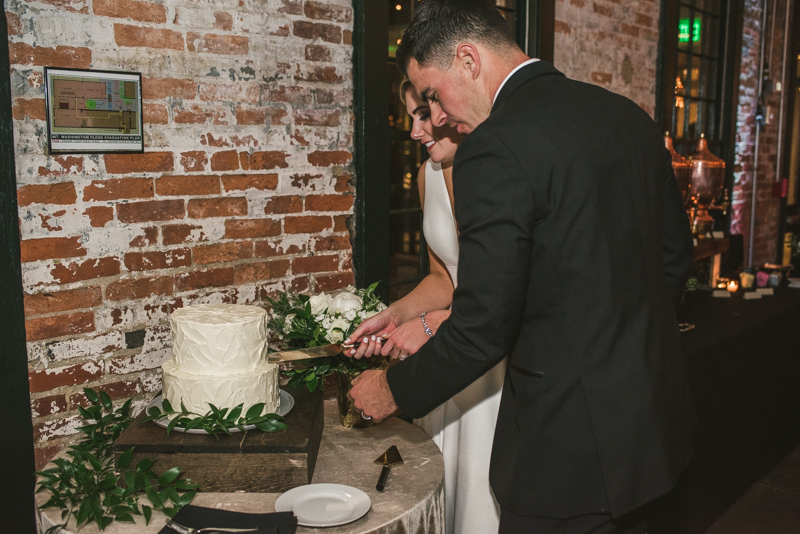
[(65, 273), (262, 161), (194, 161), (157, 88), (206, 278), (59, 325), (333, 282), (62, 193), (319, 74), (58, 301), (340, 223), (291, 95), (347, 37), (317, 53), (316, 117), (139, 288), (259, 116), (146, 162), (330, 243), (67, 164), (158, 259), (197, 115), (644, 20), (222, 252), (329, 202), (52, 404), (265, 249), (324, 158), (222, 92), (244, 161), (154, 114), (187, 185), (138, 36), (342, 184), (122, 9), (150, 237), (45, 453), (563, 27), (99, 216), (228, 45), (123, 389), (287, 204), (268, 270), (339, 98), (322, 11), (292, 7), (602, 9), (31, 108), (118, 189), (52, 378), (302, 180), (203, 208), (51, 247), (251, 228), (315, 264), (307, 224), (150, 210), (175, 234), (223, 21), (210, 140), (225, 161), (14, 24), (242, 182), (60, 56), (601, 77), (282, 31), (301, 283), (315, 30), (627, 29)]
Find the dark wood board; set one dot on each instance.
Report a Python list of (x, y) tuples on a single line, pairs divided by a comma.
[(254, 461)]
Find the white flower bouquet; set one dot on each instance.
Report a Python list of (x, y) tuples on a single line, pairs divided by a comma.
[(301, 321)]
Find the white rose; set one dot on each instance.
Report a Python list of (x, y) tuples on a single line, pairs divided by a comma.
[(340, 324), (350, 315), (319, 303), (335, 336), (344, 301)]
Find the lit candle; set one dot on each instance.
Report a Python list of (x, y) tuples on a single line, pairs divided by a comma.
[(733, 286), (722, 283)]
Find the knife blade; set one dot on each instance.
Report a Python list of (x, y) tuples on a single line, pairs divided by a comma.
[(305, 354)]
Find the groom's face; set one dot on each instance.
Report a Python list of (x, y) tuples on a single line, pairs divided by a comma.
[(452, 95)]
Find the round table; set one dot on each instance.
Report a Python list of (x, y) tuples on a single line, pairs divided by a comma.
[(413, 501)]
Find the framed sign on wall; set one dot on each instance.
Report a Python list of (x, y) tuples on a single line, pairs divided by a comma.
[(93, 111)]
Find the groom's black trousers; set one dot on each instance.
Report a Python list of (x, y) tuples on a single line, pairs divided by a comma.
[(632, 523)]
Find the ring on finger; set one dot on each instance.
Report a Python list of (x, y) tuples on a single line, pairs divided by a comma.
[(365, 417)]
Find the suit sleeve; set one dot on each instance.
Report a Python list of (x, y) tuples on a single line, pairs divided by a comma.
[(677, 243), (495, 213)]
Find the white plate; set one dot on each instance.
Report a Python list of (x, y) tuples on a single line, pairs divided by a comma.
[(324, 505), (285, 404)]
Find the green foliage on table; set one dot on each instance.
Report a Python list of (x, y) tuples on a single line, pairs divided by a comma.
[(87, 486), (218, 420), (292, 321)]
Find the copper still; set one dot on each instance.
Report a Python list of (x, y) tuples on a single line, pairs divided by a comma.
[(683, 172), (708, 179)]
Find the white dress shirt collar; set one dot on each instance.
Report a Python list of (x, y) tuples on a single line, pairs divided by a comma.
[(510, 74)]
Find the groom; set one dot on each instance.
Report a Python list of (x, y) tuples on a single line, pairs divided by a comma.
[(574, 245)]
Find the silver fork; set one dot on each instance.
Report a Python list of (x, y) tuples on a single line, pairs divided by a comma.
[(180, 529)]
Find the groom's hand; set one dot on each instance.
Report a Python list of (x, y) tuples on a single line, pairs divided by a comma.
[(372, 395)]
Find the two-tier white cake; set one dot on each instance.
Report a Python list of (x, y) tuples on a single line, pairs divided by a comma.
[(220, 358)]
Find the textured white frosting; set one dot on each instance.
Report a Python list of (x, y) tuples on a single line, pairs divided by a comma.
[(209, 339), (221, 390)]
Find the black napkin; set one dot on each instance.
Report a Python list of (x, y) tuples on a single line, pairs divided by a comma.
[(198, 517)]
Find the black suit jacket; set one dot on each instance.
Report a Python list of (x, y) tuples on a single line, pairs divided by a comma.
[(574, 247)]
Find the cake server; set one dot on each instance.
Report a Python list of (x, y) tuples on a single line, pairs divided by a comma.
[(388, 458)]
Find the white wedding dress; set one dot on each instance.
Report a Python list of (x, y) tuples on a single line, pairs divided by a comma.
[(462, 427)]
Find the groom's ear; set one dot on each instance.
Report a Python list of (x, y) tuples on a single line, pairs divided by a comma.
[(468, 57)]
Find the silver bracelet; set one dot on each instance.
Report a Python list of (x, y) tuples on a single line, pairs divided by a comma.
[(425, 324)]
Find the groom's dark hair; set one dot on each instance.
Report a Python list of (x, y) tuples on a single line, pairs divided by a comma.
[(439, 25)]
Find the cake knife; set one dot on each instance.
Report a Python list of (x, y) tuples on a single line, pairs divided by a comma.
[(305, 354)]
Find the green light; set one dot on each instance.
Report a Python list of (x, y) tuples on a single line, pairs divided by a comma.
[(683, 30)]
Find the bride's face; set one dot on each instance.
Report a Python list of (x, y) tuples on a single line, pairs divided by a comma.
[(442, 141)]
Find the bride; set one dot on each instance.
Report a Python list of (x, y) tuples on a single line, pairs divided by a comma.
[(462, 427)]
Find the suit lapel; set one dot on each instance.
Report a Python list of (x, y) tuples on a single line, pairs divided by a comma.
[(524, 75)]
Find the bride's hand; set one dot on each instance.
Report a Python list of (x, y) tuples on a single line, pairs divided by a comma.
[(371, 334), (410, 336)]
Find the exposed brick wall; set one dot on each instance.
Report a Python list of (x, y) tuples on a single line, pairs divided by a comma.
[(243, 189), (610, 43), (767, 207)]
